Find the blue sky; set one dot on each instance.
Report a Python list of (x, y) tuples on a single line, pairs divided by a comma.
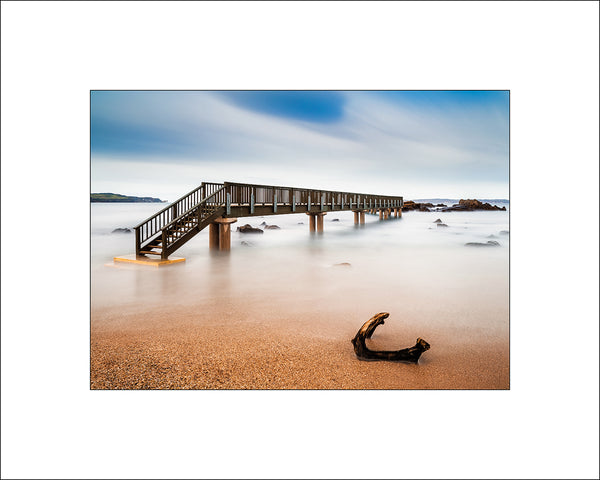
[(412, 143)]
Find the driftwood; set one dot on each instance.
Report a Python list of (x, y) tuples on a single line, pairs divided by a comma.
[(411, 354)]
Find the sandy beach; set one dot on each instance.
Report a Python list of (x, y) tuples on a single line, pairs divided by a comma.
[(195, 347)]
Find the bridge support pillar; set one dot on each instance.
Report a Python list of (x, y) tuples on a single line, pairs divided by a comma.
[(356, 217), (213, 236), (316, 221), (380, 214), (219, 235), (362, 217), (386, 213)]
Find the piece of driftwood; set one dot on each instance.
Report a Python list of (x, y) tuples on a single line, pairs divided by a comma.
[(411, 354)]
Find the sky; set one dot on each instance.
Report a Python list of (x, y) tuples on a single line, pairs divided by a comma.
[(418, 144)]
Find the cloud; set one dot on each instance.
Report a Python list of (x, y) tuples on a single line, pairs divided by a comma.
[(383, 141)]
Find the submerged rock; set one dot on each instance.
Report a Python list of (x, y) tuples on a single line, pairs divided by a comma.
[(343, 264), (335, 220), (272, 227), (489, 243), (121, 230), (249, 229), (504, 232), (442, 225), (438, 221), (247, 244)]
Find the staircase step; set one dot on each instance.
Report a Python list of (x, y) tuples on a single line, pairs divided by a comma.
[(151, 252)]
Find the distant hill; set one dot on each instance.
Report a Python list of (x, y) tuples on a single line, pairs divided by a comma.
[(117, 197)]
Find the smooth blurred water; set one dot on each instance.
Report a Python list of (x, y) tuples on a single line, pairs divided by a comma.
[(406, 264)]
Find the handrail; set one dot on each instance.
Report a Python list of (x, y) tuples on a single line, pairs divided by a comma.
[(186, 213), (297, 189), (171, 205)]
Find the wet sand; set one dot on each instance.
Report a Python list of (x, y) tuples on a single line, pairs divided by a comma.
[(245, 345)]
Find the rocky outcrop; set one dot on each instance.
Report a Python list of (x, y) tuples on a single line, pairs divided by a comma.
[(249, 229), (470, 206), (442, 225), (121, 230), (272, 227), (420, 207)]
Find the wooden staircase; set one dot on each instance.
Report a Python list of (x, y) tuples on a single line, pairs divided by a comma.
[(165, 231)]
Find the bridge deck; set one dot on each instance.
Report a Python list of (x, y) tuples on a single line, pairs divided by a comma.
[(174, 225)]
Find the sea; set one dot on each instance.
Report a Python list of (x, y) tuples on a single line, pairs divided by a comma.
[(410, 267)]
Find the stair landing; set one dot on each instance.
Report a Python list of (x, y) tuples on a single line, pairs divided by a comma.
[(153, 262)]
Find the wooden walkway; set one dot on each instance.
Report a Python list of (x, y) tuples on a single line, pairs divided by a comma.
[(218, 205)]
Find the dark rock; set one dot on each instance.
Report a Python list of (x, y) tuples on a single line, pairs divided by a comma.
[(300, 223), (121, 230), (272, 227), (249, 229), (477, 205), (504, 232), (440, 205), (262, 224), (470, 206), (438, 221), (490, 243), (442, 225), (335, 220), (246, 244)]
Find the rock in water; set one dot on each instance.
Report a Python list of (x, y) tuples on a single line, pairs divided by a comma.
[(121, 230), (335, 220), (442, 225), (272, 227), (438, 221), (343, 264), (490, 243), (249, 229)]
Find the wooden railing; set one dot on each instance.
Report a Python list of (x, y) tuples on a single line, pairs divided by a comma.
[(150, 227), (247, 194)]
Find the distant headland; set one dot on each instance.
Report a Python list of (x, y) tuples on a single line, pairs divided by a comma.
[(117, 197)]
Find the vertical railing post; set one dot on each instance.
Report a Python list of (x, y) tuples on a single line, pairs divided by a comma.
[(137, 241), (228, 205), (274, 201), (308, 203), (163, 253), (322, 198), (293, 199), (252, 200)]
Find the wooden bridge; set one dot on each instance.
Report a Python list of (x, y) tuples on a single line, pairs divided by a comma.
[(218, 205)]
